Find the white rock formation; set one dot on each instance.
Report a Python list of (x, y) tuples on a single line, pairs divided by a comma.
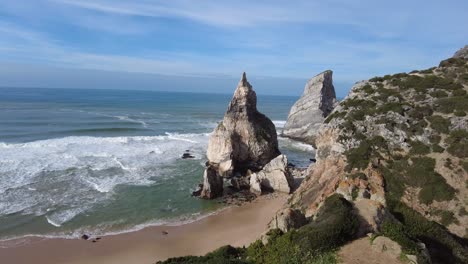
[(315, 104), (245, 139), (274, 177)]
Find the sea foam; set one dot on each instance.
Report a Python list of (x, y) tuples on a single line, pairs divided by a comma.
[(76, 172)]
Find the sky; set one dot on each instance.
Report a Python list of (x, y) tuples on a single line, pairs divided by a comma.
[(205, 45)]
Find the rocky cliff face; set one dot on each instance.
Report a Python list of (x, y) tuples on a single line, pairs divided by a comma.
[(397, 147), (308, 113), (245, 140)]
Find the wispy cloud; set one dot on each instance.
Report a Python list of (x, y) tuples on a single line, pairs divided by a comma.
[(217, 38)]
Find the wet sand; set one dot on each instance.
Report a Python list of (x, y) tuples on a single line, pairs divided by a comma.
[(237, 226)]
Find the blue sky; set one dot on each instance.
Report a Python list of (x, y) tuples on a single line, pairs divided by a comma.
[(204, 46)]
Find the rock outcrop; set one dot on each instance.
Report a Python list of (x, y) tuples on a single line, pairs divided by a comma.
[(287, 219), (275, 176), (212, 184), (309, 112), (245, 140), (462, 53)]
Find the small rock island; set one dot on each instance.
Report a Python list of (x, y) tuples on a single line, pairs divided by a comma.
[(244, 149)]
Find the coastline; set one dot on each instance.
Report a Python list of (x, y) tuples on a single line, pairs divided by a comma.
[(236, 226)]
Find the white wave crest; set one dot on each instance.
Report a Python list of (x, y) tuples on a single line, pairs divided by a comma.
[(279, 123), (74, 172)]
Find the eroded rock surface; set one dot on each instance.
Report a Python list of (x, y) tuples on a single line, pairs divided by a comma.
[(308, 113), (275, 176), (244, 140)]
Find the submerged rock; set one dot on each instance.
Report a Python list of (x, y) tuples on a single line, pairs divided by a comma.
[(309, 112), (187, 156), (275, 176)]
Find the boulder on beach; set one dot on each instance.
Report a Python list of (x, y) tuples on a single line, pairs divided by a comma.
[(275, 176), (309, 112)]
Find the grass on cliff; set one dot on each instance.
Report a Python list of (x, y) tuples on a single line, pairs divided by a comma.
[(443, 247), (458, 143), (315, 242)]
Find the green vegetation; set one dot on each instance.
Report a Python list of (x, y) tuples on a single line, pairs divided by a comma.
[(439, 94), (394, 107), (459, 92), (358, 175), (334, 226), (416, 172), (368, 89), (313, 243), (419, 148), (458, 143), (359, 157), (437, 148), (464, 165), (443, 247), (446, 217), (396, 232), (439, 124), (354, 194), (452, 62), (226, 254), (451, 104), (336, 114)]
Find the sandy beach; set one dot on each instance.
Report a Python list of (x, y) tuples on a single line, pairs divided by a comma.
[(236, 226)]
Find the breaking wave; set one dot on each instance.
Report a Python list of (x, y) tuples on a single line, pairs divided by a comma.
[(61, 178)]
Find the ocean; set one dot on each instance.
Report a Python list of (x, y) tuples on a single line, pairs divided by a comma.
[(79, 161)]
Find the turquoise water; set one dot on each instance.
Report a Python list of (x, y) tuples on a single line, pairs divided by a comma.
[(78, 161)]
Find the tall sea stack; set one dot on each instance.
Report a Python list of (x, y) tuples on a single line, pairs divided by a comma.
[(245, 140), (309, 112)]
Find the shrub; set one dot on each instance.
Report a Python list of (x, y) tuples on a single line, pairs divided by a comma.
[(459, 113), (458, 143), (451, 104), (396, 232), (459, 92), (335, 114), (437, 148), (419, 148), (376, 79), (358, 175), (452, 62), (335, 224), (439, 94), (447, 218), (420, 112), (437, 190), (464, 165), (394, 107), (226, 254), (368, 89), (443, 247), (439, 124), (434, 139)]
